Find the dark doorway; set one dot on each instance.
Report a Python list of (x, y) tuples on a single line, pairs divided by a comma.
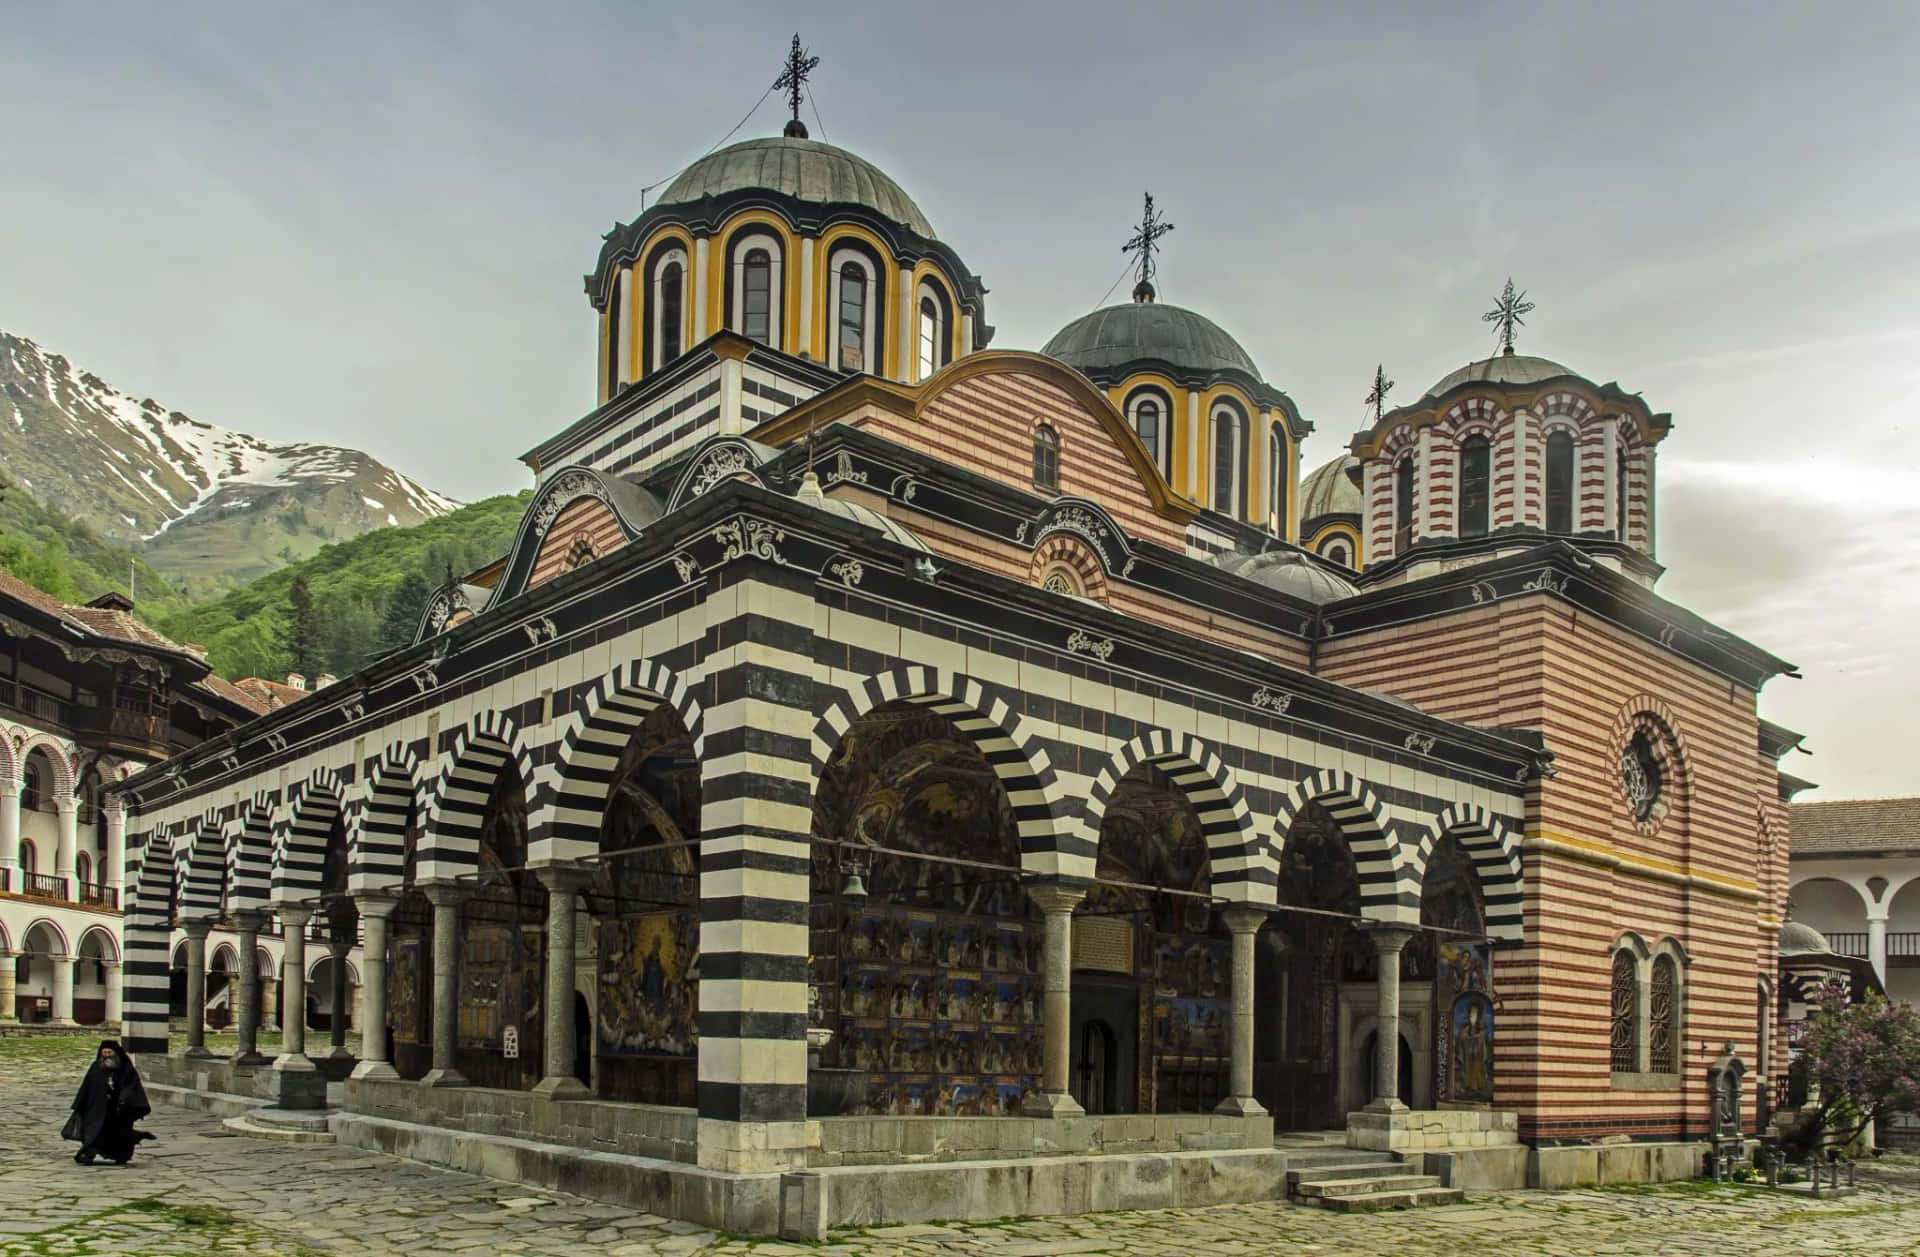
[(1368, 1068), (582, 1040), (1102, 1073)]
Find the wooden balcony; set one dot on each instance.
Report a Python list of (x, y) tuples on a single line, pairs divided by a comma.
[(43, 886)]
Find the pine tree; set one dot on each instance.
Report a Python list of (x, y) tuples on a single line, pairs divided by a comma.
[(403, 612), (303, 630)]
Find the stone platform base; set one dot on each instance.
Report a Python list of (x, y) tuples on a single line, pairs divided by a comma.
[(1583, 1165), (287, 1089), (1418, 1130)]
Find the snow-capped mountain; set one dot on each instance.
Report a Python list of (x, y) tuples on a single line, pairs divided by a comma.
[(200, 501)]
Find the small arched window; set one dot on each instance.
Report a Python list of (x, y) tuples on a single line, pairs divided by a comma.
[(1560, 482), (671, 305), (1046, 458), (1620, 494), (1279, 481), (756, 312), (930, 337), (1147, 411), (853, 316), (29, 857), (1403, 505), (1229, 462), (1624, 1047), (1476, 475), (30, 788), (1337, 553), (83, 868), (1663, 1051)]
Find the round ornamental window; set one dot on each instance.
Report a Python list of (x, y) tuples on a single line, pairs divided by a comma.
[(1061, 580), (1640, 774)]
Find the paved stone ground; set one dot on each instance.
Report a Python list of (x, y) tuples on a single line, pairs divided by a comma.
[(198, 1190)]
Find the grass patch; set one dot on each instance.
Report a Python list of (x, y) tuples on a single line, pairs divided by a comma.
[(196, 1217), (1679, 1187)]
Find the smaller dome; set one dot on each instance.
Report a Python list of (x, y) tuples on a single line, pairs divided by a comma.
[(1797, 938), (805, 170), (1330, 490), (1140, 331), (1288, 572), (809, 492), (1501, 369)]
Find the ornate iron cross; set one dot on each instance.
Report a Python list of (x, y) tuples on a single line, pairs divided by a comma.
[(1506, 315), (793, 79), (1145, 242), (1381, 387)]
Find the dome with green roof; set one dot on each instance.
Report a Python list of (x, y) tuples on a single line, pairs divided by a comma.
[(803, 169)]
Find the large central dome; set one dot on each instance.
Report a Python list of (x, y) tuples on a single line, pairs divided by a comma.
[(1506, 368), (1147, 331), (805, 170)]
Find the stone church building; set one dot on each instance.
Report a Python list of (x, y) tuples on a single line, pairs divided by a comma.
[(880, 753)]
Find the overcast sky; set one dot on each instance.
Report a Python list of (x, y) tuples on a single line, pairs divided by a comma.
[(367, 226)]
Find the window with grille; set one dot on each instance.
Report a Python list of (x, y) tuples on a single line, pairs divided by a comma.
[(1626, 1014), (1560, 482), (853, 317), (1663, 1054), (756, 323), (1403, 505), (670, 312)]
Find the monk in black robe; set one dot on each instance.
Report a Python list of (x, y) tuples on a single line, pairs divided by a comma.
[(109, 1102)]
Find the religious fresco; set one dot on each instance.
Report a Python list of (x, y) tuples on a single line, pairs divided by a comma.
[(1150, 837), (931, 981), (644, 898), (404, 976), (1452, 906)]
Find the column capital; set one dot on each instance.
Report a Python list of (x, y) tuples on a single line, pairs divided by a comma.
[(197, 929), (564, 875), (294, 916), (444, 894), (1388, 938), (65, 804), (1243, 919), (103, 962), (1060, 894), (10, 785), (248, 920), (376, 903)]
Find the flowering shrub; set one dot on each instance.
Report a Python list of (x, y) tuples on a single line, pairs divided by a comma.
[(1866, 1058)]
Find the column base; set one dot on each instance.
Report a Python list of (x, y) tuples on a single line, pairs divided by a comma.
[(1385, 1105), (444, 1078), (563, 1087), (376, 1069), (1052, 1104), (199, 1053), (293, 1063), (249, 1060), (1240, 1106), (339, 1052)]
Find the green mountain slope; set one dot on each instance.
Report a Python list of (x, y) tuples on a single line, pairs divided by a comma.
[(367, 594), (65, 557)]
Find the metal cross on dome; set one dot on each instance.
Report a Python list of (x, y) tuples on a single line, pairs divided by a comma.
[(1381, 387), (1145, 242), (793, 79), (1506, 315)]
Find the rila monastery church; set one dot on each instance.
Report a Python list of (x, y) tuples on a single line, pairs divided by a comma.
[(882, 757)]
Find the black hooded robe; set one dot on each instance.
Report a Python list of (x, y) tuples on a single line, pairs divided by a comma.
[(107, 1105)]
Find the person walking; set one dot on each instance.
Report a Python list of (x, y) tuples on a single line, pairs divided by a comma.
[(110, 1100)]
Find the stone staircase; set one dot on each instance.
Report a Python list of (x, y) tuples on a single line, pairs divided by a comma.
[(294, 1126), (1352, 1180)]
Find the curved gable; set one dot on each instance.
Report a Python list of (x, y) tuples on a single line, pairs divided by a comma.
[(585, 529)]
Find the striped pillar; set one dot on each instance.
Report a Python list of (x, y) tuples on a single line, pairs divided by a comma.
[(145, 993), (754, 883)]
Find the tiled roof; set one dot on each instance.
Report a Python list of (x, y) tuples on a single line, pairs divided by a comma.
[(239, 695), (1846, 825), (269, 695)]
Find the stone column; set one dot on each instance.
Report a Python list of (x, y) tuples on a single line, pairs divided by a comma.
[(1388, 942), (269, 992), (1877, 946), (114, 1010), (7, 1016), (337, 949), (10, 836), (246, 991), (376, 914), (115, 874), (293, 977), (563, 883), (1245, 924), (445, 898), (62, 988), (1057, 900), (196, 932), (67, 846)]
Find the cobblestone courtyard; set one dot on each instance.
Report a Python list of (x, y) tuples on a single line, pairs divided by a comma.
[(199, 1190)]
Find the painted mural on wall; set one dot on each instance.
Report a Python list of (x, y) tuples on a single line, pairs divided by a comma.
[(403, 990), (1462, 978), (931, 980)]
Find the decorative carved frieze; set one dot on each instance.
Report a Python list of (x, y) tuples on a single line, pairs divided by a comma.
[(743, 537), (1272, 700), (560, 493), (1081, 642)]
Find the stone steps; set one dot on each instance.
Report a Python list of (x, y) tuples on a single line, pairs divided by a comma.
[(283, 1125), (1354, 1181)]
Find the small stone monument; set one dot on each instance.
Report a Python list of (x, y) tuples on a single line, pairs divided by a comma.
[(1726, 1083)]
